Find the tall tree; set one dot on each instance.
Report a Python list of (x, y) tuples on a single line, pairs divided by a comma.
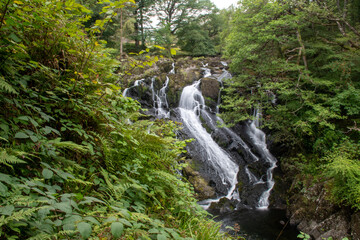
[(175, 13), (305, 53), (143, 13)]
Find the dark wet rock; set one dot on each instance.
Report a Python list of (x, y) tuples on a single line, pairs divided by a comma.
[(335, 226), (250, 194), (355, 225), (165, 65), (201, 185), (210, 88), (182, 78), (224, 205), (313, 212)]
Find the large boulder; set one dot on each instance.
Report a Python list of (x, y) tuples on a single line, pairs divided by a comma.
[(222, 206), (201, 185), (182, 78), (210, 88)]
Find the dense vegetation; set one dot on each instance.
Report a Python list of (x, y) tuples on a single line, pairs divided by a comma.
[(299, 62), (77, 159)]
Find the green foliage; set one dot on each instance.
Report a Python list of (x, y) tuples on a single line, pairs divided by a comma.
[(343, 169), (76, 160), (196, 41), (304, 236), (298, 62), (282, 49)]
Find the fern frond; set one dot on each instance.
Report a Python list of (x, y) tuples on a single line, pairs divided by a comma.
[(42, 236), (70, 163), (116, 190), (6, 86), (66, 232), (69, 145), (76, 180), (9, 159), (23, 214)]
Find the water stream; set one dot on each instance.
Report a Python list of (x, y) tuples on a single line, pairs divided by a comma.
[(229, 163), (191, 105)]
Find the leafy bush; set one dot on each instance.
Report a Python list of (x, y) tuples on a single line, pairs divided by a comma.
[(343, 170), (76, 161)]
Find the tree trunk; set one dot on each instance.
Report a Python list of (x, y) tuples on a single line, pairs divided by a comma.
[(136, 29), (121, 33), (142, 28)]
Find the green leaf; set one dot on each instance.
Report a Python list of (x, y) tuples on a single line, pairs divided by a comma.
[(14, 38), (108, 91), (3, 188), (161, 237), (84, 229), (35, 123), (110, 219), (92, 220), (34, 138), (21, 135), (58, 223), (63, 206), (154, 230), (125, 222), (24, 118), (5, 178), (7, 210), (117, 229), (72, 220), (47, 173)]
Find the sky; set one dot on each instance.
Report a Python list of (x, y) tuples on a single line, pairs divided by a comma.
[(224, 3)]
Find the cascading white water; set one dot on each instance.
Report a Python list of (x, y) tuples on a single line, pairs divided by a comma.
[(191, 104), (172, 71), (160, 99), (136, 83), (259, 139)]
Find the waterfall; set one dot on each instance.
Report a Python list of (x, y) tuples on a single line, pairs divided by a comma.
[(172, 71), (160, 99), (191, 104), (200, 123), (136, 83), (259, 141)]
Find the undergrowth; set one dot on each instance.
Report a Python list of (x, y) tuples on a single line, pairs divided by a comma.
[(76, 160)]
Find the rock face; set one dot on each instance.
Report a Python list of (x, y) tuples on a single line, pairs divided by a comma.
[(210, 88), (200, 184), (315, 215), (355, 225)]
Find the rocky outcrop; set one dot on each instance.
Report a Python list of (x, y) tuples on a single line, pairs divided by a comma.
[(355, 226), (182, 77), (224, 205), (210, 88), (200, 184), (313, 213)]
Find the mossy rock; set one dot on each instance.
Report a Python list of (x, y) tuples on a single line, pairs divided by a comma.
[(200, 184), (210, 88)]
